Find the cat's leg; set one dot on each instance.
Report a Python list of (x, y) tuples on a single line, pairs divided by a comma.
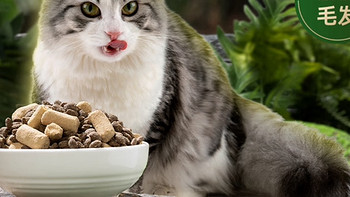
[(190, 194), (150, 187), (152, 184), (287, 159), (175, 180)]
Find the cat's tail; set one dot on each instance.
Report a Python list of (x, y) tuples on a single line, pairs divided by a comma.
[(288, 159), (328, 179), (299, 162)]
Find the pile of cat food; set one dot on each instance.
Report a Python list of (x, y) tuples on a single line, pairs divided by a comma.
[(64, 125)]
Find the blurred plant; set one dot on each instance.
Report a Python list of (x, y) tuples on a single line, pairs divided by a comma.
[(277, 63), (15, 58)]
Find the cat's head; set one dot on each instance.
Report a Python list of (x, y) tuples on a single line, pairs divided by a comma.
[(106, 30)]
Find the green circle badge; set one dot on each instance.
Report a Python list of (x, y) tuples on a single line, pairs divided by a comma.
[(328, 20)]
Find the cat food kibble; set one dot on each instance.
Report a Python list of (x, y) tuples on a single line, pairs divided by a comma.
[(85, 106), (22, 111), (33, 138), (66, 121), (103, 126), (54, 131), (35, 120), (64, 125)]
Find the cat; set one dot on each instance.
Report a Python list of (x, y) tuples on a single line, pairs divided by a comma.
[(142, 62)]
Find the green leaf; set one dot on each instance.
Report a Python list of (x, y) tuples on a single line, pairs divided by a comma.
[(8, 11)]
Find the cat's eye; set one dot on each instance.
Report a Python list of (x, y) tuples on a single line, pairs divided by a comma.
[(90, 10), (130, 9)]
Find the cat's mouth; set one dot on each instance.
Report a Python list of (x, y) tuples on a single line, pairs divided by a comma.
[(114, 47)]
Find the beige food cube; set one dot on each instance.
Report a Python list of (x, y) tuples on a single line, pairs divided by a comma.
[(32, 137), (102, 125), (67, 122), (54, 131)]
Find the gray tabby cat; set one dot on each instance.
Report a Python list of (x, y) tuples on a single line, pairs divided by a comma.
[(140, 61)]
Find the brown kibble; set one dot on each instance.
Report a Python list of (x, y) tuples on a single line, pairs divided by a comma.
[(113, 143), (102, 125), (16, 125), (54, 131), (113, 118), (72, 112), (2, 141), (86, 121), (68, 133), (11, 139), (84, 134), (54, 146), (83, 113), (32, 137), (94, 136), (46, 103), (63, 144), (88, 131), (87, 142), (67, 122), (57, 103), (128, 133), (14, 131), (3, 131), (74, 142), (86, 127), (58, 108), (8, 123), (16, 120), (71, 106), (121, 123), (96, 144), (117, 126), (120, 139), (81, 118), (22, 111), (127, 136), (25, 120), (42, 128)]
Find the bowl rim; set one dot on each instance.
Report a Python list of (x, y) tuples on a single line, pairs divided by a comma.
[(5, 150)]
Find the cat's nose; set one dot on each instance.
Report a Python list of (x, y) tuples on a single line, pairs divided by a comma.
[(113, 35)]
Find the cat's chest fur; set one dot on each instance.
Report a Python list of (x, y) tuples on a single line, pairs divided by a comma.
[(131, 89)]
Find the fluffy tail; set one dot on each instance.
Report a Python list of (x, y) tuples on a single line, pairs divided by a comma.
[(290, 160), (331, 179)]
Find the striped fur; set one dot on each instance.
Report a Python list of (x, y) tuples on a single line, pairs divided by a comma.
[(169, 86)]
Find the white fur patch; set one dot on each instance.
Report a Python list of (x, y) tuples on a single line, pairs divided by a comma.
[(129, 88)]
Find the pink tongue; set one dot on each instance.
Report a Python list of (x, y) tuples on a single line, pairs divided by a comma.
[(118, 44)]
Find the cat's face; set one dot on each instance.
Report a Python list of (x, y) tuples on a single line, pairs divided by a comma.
[(106, 30)]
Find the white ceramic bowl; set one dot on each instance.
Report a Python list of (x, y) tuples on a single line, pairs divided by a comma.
[(101, 172)]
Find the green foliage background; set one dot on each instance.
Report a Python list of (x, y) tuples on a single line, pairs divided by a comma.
[(276, 62), (15, 57)]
